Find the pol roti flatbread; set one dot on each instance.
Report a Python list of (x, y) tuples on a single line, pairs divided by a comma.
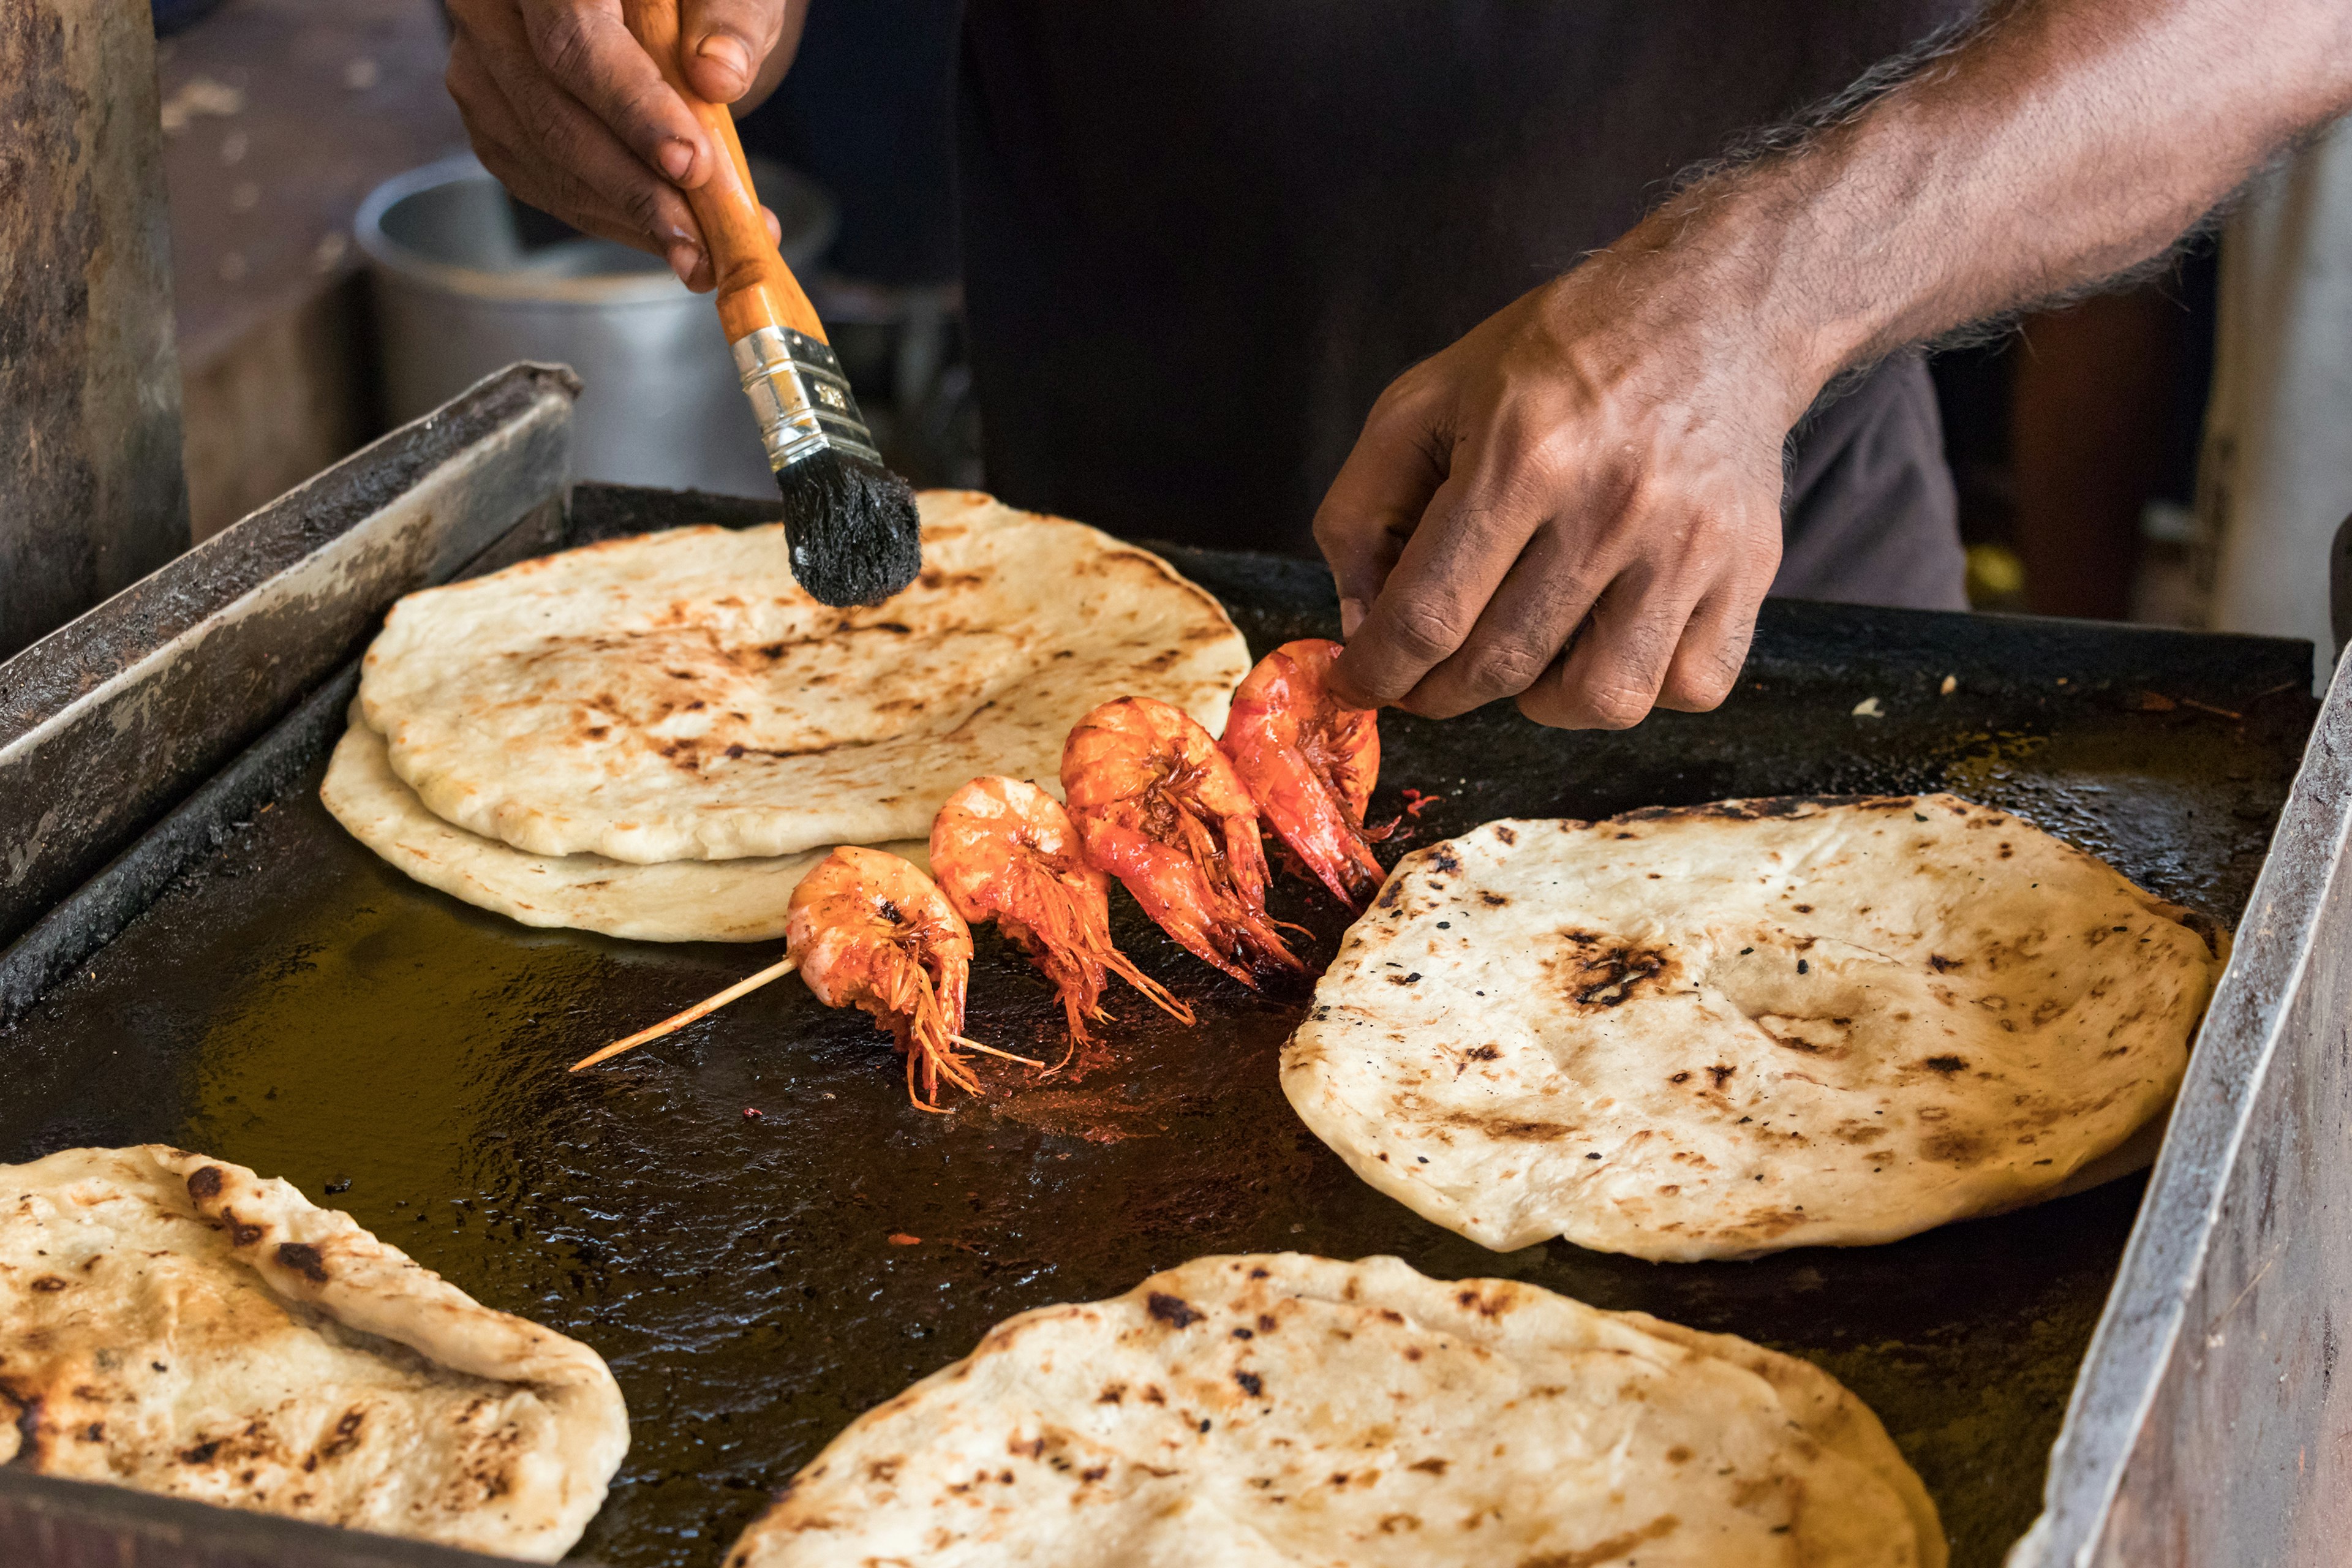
[(1729, 1029)]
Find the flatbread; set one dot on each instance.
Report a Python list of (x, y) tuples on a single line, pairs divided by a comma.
[(1284, 1409), (682, 901), (175, 1324), (678, 697), (1729, 1029)]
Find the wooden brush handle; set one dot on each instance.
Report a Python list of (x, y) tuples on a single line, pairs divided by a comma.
[(755, 288)]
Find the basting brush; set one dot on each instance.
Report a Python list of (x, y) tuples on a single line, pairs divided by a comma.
[(849, 522)]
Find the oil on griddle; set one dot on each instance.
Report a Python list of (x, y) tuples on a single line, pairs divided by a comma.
[(755, 1282)]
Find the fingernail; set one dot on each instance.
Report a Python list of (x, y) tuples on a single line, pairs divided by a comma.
[(723, 50), (1352, 616), (683, 260), (676, 158)]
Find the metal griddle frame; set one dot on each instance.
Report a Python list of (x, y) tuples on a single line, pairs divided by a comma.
[(2204, 1427)]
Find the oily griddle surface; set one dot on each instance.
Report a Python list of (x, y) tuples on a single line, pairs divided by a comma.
[(298, 1007)]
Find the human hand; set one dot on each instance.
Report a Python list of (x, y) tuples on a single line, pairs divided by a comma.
[(1577, 505), (573, 117)]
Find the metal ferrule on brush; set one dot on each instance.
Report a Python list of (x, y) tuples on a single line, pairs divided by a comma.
[(803, 400)]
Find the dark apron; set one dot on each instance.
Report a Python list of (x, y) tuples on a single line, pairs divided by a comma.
[(1199, 237)]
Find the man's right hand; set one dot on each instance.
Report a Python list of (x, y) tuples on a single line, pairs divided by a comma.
[(573, 117)]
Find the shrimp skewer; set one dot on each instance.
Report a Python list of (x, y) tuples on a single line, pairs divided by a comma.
[(1005, 850), (1161, 809), (873, 933), (867, 929), (679, 1020), (1309, 765)]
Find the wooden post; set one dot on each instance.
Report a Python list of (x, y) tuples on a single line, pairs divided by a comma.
[(92, 494)]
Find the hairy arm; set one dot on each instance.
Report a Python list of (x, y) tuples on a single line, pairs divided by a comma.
[(1579, 504)]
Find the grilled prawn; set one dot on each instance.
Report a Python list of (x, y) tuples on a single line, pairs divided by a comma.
[(1161, 809), (1309, 765), (1005, 850), (869, 930)]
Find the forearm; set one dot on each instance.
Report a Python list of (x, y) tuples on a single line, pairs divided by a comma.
[(2066, 142)]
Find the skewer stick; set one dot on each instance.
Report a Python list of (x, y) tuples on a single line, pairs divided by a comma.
[(676, 1021), (968, 1043)]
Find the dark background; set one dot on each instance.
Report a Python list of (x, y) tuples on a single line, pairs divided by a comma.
[(281, 114)]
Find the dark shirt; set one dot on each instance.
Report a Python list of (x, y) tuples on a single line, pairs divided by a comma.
[(1200, 235)]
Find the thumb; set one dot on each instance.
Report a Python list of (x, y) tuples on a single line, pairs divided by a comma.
[(1372, 509), (723, 43)]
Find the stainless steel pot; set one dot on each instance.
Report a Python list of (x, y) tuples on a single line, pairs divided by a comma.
[(458, 295)]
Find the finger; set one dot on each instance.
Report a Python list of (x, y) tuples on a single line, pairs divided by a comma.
[(1714, 645), (500, 138), (1609, 679), (575, 151), (586, 50), (775, 229), (723, 43), (1376, 502), (1542, 599), (1474, 528)]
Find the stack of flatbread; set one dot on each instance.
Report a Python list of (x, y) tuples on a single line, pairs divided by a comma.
[(1282, 1410), (656, 737), (173, 1323), (1727, 1029)]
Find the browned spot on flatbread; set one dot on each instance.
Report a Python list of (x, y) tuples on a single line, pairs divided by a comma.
[(205, 1183), (1598, 972), (1608, 1550), (1519, 1131), (1953, 1147), (302, 1258), (1171, 1310), (1765, 1224), (345, 1436)]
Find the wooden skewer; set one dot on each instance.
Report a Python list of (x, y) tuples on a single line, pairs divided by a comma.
[(676, 1021), (743, 988), (968, 1043)]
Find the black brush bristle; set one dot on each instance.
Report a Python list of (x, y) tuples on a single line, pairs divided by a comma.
[(852, 529)]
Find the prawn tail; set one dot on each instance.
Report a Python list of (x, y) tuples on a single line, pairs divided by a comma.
[(1312, 825), (1260, 939), (1180, 896)]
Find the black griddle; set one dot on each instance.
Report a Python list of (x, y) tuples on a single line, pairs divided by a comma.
[(290, 1003)]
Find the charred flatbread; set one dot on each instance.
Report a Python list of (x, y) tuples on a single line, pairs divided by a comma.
[(678, 696), (173, 1323), (679, 900), (1284, 1409), (1730, 1029)]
